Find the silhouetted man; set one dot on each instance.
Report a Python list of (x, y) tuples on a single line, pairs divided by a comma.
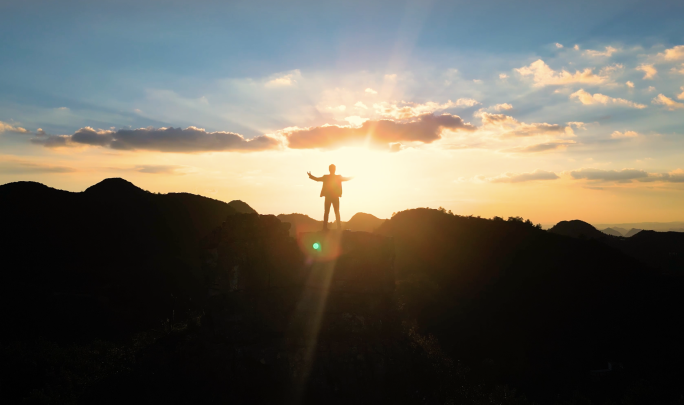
[(332, 191)]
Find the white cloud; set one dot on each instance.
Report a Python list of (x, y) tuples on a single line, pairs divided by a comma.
[(630, 84), (627, 175), (680, 96), (607, 53), (669, 103), (500, 107), (360, 104), (675, 53), (503, 76), (522, 177), (626, 134), (650, 88), (649, 71), (543, 75), (608, 70), (284, 80), (5, 127), (559, 45), (371, 91), (391, 76), (624, 175), (676, 70), (404, 110), (355, 120), (339, 108), (511, 127), (576, 47), (477, 81), (589, 99), (540, 147)]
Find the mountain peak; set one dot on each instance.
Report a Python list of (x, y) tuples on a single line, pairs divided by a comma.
[(576, 229), (242, 207), (114, 186)]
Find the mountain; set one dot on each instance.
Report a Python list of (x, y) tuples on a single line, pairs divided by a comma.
[(363, 222), (241, 207), (115, 253), (612, 232), (300, 223), (649, 226), (533, 308), (576, 229), (632, 232), (622, 231), (303, 223)]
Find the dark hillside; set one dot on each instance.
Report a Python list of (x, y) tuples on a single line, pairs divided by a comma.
[(577, 229), (532, 308), (112, 257), (241, 207), (363, 222)]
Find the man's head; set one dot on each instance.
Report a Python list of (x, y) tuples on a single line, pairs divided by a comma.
[(332, 169)]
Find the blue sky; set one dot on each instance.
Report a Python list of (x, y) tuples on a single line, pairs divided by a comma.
[(278, 72)]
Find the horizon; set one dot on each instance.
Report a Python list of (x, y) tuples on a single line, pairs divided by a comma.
[(487, 109)]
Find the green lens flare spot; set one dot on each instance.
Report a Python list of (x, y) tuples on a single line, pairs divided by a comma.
[(316, 245)]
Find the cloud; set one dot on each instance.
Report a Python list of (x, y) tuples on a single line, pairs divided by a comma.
[(359, 104), (188, 140), (503, 76), (675, 176), (624, 175), (284, 80), (680, 70), (522, 177), (589, 99), (391, 76), (355, 120), (511, 127), (649, 71), (576, 47), (680, 96), (405, 110), (626, 134), (607, 53), (543, 75), (5, 127), (559, 46), (540, 147), (675, 53), (371, 91), (23, 167), (161, 169), (669, 103), (499, 107), (425, 128), (628, 175), (630, 84)]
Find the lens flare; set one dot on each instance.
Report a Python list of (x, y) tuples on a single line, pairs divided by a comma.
[(317, 246)]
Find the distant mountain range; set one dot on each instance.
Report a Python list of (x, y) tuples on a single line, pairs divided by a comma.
[(624, 228), (663, 251)]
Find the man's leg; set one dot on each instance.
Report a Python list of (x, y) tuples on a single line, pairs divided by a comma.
[(326, 212), (336, 207)]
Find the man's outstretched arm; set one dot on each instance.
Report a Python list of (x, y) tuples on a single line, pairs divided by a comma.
[(346, 178), (312, 177)]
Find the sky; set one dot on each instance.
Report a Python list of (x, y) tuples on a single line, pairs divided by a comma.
[(546, 110)]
